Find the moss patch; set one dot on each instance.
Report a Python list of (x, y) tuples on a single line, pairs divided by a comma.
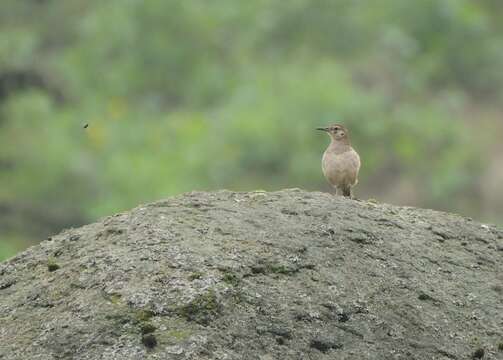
[(202, 309), (149, 340), (282, 269), (195, 275), (425, 297), (274, 268), (178, 334), (113, 298), (231, 278), (143, 315), (52, 265), (478, 354), (147, 328)]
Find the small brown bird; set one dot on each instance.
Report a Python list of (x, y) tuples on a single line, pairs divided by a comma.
[(340, 163)]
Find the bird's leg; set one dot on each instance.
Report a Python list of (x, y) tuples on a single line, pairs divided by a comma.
[(352, 196), (338, 191), (346, 191)]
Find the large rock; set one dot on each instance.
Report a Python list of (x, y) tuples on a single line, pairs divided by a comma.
[(284, 275)]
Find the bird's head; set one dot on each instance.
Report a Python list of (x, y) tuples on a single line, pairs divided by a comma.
[(336, 132)]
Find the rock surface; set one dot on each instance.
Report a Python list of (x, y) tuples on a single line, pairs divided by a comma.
[(283, 275)]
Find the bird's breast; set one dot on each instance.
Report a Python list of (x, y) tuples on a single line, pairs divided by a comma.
[(341, 169)]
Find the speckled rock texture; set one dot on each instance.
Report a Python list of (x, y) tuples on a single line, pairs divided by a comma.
[(262, 276)]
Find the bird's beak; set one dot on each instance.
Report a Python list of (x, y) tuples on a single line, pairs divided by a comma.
[(322, 129)]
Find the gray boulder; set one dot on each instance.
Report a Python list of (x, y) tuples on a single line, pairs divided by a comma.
[(263, 276)]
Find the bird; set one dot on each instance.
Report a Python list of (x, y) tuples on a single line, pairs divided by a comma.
[(340, 162)]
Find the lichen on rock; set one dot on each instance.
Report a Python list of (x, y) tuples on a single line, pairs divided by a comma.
[(281, 275)]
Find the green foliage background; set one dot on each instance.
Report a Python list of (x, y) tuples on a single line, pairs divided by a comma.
[(185, 95)]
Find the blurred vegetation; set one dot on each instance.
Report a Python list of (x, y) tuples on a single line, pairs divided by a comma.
[(182, 95)]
